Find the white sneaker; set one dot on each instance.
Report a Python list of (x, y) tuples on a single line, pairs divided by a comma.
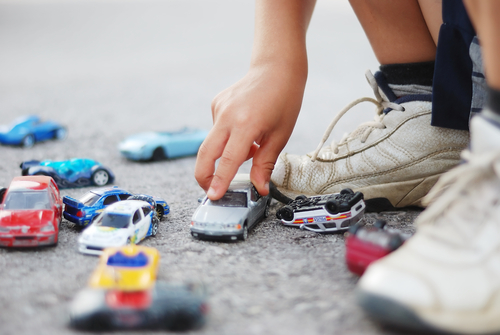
[(447, 276), (394, 160)]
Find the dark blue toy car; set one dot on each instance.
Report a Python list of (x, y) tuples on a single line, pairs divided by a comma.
[(27, 130), (76, 172), (84, 210)]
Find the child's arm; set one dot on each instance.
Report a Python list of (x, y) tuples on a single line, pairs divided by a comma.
[(255, 116)]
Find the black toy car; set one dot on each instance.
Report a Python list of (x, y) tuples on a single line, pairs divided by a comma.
[(166, 306)]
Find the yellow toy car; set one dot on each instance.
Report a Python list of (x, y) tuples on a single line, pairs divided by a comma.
[(127, 268)]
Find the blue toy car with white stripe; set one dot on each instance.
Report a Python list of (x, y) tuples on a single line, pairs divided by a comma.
[(84, 210), (27, 130)]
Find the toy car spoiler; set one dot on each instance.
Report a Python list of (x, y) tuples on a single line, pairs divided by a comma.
[(73, 202)]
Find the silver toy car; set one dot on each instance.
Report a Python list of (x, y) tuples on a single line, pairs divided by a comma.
[(324, 213), (232, 216)]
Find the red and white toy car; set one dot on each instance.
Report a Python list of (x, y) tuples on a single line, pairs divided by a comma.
[(365, 245), (30, 212)]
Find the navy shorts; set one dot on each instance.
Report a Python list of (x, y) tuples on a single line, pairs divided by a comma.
[(459, 86)]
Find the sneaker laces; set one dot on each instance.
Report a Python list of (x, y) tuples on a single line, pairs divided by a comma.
[(377, 123), (455, 183)]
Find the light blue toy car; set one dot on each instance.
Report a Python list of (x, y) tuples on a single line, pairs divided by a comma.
[(156, 146), (27, 130)]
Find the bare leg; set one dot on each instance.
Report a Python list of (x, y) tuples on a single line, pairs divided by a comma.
[(400, 31), (484, 16)]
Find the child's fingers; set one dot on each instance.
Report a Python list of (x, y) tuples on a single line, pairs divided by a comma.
[(210, 150), (263, 165), (235, 153)]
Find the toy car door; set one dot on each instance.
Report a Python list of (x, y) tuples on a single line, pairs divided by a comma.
[(255, 206), (141, 225)]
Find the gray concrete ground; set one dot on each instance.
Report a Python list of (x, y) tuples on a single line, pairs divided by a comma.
[(108, 69)]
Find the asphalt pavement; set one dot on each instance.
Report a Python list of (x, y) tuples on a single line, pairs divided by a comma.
[(108, 69)]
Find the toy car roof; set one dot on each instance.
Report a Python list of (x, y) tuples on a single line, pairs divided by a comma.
[(125, 207), (108, 190), (127, 268), (29, 182)]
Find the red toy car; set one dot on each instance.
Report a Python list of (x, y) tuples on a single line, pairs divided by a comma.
[(365, 245), (30, 212)]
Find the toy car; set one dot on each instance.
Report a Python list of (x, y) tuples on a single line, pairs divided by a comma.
[(84, 210), (30, 213), (76, 172), (27, 130), (365, 245), (123, 294), (232, 216), (324, 213), (162, 145), (122, 223), (128, 268)]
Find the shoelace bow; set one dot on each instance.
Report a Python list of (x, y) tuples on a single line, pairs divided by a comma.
[(457, 181), (370, 125)]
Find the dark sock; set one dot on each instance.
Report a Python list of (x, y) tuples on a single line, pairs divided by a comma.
[(409, 73), (493, 102)]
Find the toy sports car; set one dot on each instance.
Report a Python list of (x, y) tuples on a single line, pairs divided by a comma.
[(324, 213), (232, 216), (122, 223), (84, 210), (365, 245), (162, 145), (122, 294), (76, 172), (27, 130), (30, 213)]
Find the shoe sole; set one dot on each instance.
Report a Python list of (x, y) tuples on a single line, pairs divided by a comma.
[(408, 195), (390, 313)]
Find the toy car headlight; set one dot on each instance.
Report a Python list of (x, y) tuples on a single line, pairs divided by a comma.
[(48, 227), (84, 237)]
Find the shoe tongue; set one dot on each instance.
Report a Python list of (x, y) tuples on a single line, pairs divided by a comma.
[(485, 132), (384, 86)]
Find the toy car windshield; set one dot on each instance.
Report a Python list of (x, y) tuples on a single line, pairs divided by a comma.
[(89, 199), (113, 220), (119, 259), (231, 199), (27, 200)]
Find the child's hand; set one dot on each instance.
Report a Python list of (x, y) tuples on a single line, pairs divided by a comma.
[(252, 118)]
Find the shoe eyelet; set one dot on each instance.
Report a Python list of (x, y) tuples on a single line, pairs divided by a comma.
[(403, 109)]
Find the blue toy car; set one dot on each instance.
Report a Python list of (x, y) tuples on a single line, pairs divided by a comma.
[(162, 145), (84, 210), (76, 172), (27, 130)]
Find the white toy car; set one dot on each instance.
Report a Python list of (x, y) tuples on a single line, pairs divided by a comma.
[(124, 222), (324, 213)]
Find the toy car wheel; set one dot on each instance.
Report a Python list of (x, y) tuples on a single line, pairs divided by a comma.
[(28, 141), (60, 134), (331, 206), (2, 193), (286, 213), (154, 227), (159, 211), (347, 191), (158, 154), (100, 177), (129, 241), (244, 235)]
